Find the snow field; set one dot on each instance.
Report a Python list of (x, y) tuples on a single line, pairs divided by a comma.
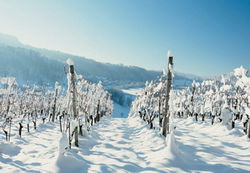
[(34, 152), (212, 148), (128, 145)]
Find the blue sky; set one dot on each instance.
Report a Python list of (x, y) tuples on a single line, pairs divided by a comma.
[(207, 37)]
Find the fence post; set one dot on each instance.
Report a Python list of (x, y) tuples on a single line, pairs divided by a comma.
[(165, 129)]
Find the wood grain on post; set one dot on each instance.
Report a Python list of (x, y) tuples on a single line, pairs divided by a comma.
[(73, 85), (165, 129)]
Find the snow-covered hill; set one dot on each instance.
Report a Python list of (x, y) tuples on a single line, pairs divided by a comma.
[(31, 64)]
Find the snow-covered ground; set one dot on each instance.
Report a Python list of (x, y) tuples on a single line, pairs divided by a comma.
[(212, 148), (34, 152), (128, 145), (120, 111)]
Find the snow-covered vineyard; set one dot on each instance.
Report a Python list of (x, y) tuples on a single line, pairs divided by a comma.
[(222, 101), (203, 128)]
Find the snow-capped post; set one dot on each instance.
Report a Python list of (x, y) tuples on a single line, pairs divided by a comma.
[(54, 104), (165, 128), (72, 96)]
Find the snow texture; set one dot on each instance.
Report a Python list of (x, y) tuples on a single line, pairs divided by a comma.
[(170, 54), (69, 62), (128, 145)]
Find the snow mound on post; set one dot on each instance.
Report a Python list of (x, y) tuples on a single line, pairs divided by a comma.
[(172, 148), (170, 54), (67, 161), (69, 61), (173, 154), (63, 143)]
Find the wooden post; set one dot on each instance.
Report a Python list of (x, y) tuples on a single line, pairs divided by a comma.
[(159, 112), (10, 119), (28, 125), (192, 100), (60, 119), (76, 137), (165, 128), (8, 106), (248, 129), (69, 136), (73, 90), (98, 111), (73, 85), (6, 134), (54, 105), (20, 129)]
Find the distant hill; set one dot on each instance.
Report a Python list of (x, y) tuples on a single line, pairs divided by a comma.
[(36, 65)]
